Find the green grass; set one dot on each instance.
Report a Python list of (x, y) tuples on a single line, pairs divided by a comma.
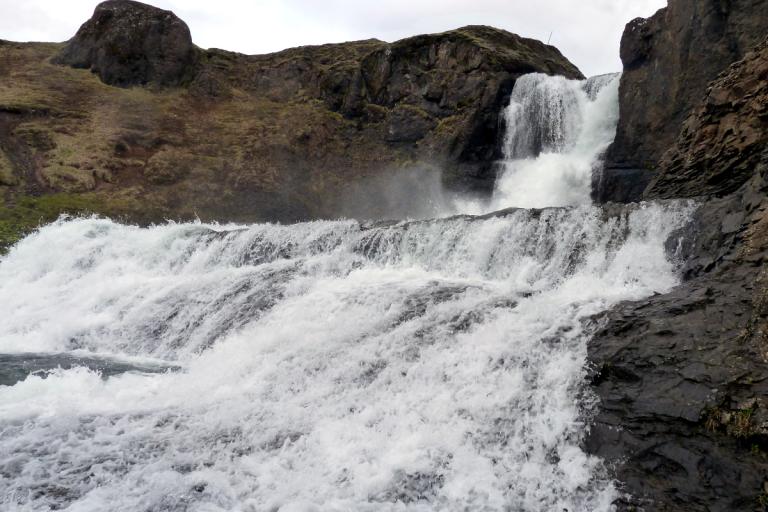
[(29, 213)]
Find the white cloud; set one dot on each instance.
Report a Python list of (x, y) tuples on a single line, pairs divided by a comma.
[(586, 31)]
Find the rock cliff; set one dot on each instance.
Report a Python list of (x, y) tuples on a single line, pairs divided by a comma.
[(669, 59), (683, 376), (721, 142), (130, 119)]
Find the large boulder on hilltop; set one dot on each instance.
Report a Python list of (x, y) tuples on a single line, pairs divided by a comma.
[(130, 43), (668, 60), (721, 143)]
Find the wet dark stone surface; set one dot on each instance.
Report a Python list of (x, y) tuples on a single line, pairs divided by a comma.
[(17, 367), (683, 378)]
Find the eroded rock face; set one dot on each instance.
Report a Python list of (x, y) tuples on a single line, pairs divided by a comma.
[(721, 142), (683, 376), (130, 43), (472, 71), (668, 61), (286, 136)]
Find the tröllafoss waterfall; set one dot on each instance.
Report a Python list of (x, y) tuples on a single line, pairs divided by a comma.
[(331, 365)]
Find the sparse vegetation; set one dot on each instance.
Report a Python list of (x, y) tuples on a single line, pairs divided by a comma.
[(737, 423)]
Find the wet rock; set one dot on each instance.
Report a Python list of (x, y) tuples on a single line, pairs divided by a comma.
[(683, 376), (130, 43), (620, 184)]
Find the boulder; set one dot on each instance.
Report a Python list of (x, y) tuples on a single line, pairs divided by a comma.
[(130, 43)]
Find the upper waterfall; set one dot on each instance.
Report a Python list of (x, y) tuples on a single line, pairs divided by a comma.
[(556, 131)]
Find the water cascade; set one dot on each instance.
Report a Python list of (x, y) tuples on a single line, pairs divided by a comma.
[(332, 365), (557, 130)]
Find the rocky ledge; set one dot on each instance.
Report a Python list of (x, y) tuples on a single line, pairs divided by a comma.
[(130, 119)]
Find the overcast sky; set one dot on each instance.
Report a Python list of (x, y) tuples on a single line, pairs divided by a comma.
[(586, 31)]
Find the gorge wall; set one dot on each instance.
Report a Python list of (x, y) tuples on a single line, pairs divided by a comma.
[(130, 119), (669, 59), (682, 376)]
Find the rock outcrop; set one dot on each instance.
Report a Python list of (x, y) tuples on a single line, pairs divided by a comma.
[(129, 43), (683, 376), (721, 142), (668, 61), (226, 136)]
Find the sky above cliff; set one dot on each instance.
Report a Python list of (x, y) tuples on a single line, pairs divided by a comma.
[(587, 31)]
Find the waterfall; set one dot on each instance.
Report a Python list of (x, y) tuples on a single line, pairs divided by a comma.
[(411, 366), (556, 131), (431, 365)]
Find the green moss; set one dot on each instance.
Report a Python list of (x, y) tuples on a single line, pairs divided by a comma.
[(762, 500), (68, 178), (29, 213), (738, 423)]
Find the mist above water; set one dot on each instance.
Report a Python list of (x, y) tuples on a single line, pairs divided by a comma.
[(556, 132)]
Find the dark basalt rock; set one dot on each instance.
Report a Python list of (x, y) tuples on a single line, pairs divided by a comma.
[(683, 376), (472, 69), (620, 184), (668, 60), (130, 43), (721, 142)]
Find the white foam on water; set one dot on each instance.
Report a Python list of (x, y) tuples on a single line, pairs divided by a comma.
[(434, 365), (557, 131)]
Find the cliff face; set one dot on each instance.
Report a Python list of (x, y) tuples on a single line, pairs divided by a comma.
[(162, 129), (683, 376), (668, 61), (721, 142)]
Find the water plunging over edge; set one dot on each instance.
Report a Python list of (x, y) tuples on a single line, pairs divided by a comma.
[(556, 132), (434, 365)]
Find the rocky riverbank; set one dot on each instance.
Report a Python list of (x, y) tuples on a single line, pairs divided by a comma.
[(683, 377)]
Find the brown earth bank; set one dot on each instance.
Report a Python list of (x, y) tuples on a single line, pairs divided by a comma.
[(130, 119), (683, 376)]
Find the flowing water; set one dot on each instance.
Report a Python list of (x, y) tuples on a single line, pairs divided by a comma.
[(324, 366), (557, 131)]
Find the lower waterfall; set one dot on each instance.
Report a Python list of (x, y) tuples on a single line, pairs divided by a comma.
[(320, 366)]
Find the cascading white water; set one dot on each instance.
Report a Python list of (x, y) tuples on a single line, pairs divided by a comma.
[(432, 365), (331, 366), (557, 129)]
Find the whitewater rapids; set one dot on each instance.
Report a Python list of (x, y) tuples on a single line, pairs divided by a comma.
[(334, 366)]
